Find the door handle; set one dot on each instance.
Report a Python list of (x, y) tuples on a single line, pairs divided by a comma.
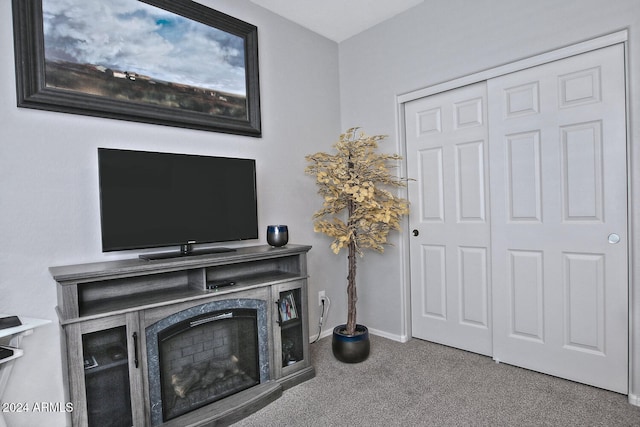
[(614, 238), (416, 232), (135, 348)]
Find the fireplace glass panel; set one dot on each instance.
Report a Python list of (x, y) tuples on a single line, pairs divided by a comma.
[(289, 305), (106, 373), (207, 358)]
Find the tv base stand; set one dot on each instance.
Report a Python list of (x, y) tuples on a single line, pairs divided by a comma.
[(185, 251)]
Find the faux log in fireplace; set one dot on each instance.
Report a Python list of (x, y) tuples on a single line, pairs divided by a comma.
[(155, 343)]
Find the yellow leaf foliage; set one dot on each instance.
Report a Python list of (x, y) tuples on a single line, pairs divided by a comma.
[(353, 183)]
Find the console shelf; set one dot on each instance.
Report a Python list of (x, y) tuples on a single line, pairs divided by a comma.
[(99, 289)]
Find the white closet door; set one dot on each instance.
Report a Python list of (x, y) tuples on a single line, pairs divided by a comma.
[(559, 218), (446, 155)]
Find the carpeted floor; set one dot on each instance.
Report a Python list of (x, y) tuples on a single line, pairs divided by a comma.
[(424, 384)]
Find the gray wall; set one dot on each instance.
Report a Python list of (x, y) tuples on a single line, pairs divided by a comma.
[(311, 90), (438, 41), (49, 205)]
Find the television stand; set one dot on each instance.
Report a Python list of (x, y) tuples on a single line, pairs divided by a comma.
[(113, 305), (185, 250)]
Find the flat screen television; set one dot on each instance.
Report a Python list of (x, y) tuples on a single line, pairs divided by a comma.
[(151, 199)]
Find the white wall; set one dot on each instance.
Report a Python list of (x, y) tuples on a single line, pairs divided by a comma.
[(49, 192), (438, 41)]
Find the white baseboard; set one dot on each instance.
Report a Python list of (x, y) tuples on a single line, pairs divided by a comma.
[(323, 334), (634, 399), (383, 334), (394, 337)]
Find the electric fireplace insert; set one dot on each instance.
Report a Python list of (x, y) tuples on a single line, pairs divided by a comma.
[(204, 354)]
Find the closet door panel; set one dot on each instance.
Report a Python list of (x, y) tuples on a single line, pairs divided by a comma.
[(558, 192), (450, 255)]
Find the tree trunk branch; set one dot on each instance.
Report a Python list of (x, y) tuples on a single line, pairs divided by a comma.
[(352, 295)]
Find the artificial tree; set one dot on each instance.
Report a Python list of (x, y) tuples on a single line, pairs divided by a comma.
[(359, 210)]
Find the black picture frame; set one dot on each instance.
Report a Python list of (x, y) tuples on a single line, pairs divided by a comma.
[(33, 72), (287, 306)]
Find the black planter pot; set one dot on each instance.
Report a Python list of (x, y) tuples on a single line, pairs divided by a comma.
[(351, 348)]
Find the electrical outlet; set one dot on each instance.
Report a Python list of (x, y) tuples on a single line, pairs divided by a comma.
[(321, 297)]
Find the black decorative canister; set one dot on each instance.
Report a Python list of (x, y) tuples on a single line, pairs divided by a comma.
[(277, 235)]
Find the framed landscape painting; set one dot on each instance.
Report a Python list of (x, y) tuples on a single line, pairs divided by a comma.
[(168, 62)]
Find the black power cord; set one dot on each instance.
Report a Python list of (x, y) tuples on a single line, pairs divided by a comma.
[(321, 320)]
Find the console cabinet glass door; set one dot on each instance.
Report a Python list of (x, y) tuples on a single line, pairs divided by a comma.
[(292, 328), (104, 371)]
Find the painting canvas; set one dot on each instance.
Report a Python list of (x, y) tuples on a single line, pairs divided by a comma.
[(173, 62)]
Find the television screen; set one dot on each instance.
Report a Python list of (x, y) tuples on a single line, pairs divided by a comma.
[(150, 199)]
